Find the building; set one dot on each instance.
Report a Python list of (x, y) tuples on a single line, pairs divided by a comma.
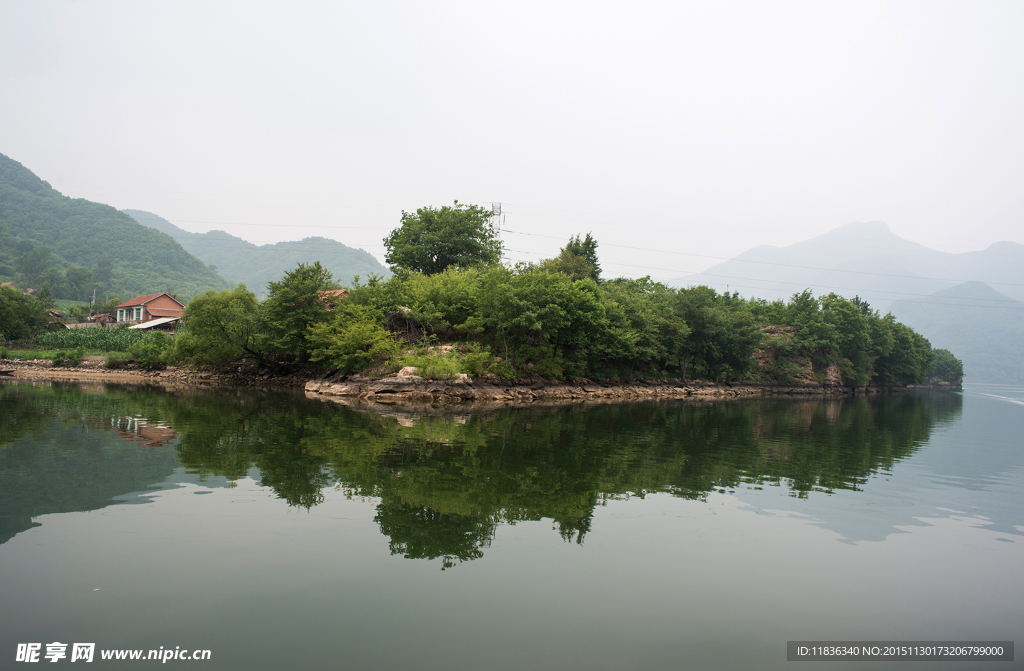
[(149, 307), (332, 297)]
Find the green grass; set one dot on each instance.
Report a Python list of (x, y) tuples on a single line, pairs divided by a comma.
[(28, 354)]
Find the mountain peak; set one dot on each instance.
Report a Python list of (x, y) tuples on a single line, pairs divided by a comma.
[(863, 229)]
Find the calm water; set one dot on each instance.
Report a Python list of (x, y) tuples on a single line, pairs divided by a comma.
[(284, 532)]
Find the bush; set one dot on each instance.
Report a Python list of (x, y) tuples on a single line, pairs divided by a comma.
[(151, 354), (4, 353), (69, 358), (439, 367), (504, 370), (117, 360), (351, 346), (475, 360)]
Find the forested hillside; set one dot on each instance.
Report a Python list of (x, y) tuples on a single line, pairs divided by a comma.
[(77, 245), (984, 327), (240, 261)]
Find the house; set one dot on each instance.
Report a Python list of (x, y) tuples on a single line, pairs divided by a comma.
[(333, 296), (149, 307)]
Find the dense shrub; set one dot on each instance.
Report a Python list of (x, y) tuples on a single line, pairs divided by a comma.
[(69, 358), (118, 360)]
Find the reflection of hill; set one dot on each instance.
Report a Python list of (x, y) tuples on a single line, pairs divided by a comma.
[(63, 449), (44, 475)]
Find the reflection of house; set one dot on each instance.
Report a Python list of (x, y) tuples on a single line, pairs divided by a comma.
[(149, 307), (139, 430)]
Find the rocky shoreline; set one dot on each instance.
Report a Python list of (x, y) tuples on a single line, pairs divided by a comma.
[(417, 389), (407, 388)]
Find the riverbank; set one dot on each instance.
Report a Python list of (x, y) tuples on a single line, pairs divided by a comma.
[(408, 388)]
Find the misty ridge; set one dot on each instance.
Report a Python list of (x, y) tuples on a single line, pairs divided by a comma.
[(240, 261)]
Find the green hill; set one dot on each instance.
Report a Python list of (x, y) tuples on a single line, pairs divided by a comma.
[(77, 245), (241, 261), (982, 327)]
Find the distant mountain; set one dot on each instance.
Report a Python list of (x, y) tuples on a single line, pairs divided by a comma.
[(255, 266), (864, 259), (982, 327), (77, 245)]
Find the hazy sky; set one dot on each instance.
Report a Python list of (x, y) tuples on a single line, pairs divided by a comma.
[(703, 128)]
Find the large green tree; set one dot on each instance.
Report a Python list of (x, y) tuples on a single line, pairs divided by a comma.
[(20, 314), (218, 327), (434, 239), (295, 304)]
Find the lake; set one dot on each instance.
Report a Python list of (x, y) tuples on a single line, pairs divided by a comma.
[(278, 531)]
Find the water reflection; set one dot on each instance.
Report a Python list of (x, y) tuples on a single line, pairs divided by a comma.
[(443, 483)]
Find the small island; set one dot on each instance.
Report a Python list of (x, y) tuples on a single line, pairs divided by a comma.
[(454, 323)]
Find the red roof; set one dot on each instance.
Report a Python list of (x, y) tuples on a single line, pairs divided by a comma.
[(142, 300), (163, 312)]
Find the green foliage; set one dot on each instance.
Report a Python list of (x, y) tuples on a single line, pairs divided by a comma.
[(542, 309), (68, 358), (723, 335), (578, 259), (353, 341), (475, 360), (218, 327), (945, 367), (434, 239), (152, 353), (3, 352), (445, 367), (118, 360), (294, 306), (20, 314)]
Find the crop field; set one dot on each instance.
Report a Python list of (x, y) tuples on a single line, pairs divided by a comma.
[(93, 339)]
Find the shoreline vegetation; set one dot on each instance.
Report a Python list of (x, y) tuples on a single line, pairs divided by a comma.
[(455, 324)]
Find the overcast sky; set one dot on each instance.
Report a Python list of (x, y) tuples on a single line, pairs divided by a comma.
[(703, 128)]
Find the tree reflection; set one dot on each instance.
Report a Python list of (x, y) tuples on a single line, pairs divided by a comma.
[(445, 483)]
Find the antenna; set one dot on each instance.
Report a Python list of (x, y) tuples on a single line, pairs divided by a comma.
[(497, 217)]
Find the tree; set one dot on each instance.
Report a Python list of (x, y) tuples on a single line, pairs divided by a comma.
[(945, 367), (353, 340), (294, 305), (20, 314), (432, 240), (219, 327), (585, 249)]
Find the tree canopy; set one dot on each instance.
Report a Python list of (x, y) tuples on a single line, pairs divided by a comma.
[(434, 239)]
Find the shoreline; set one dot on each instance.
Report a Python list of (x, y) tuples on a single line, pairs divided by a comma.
[(489, 389)]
